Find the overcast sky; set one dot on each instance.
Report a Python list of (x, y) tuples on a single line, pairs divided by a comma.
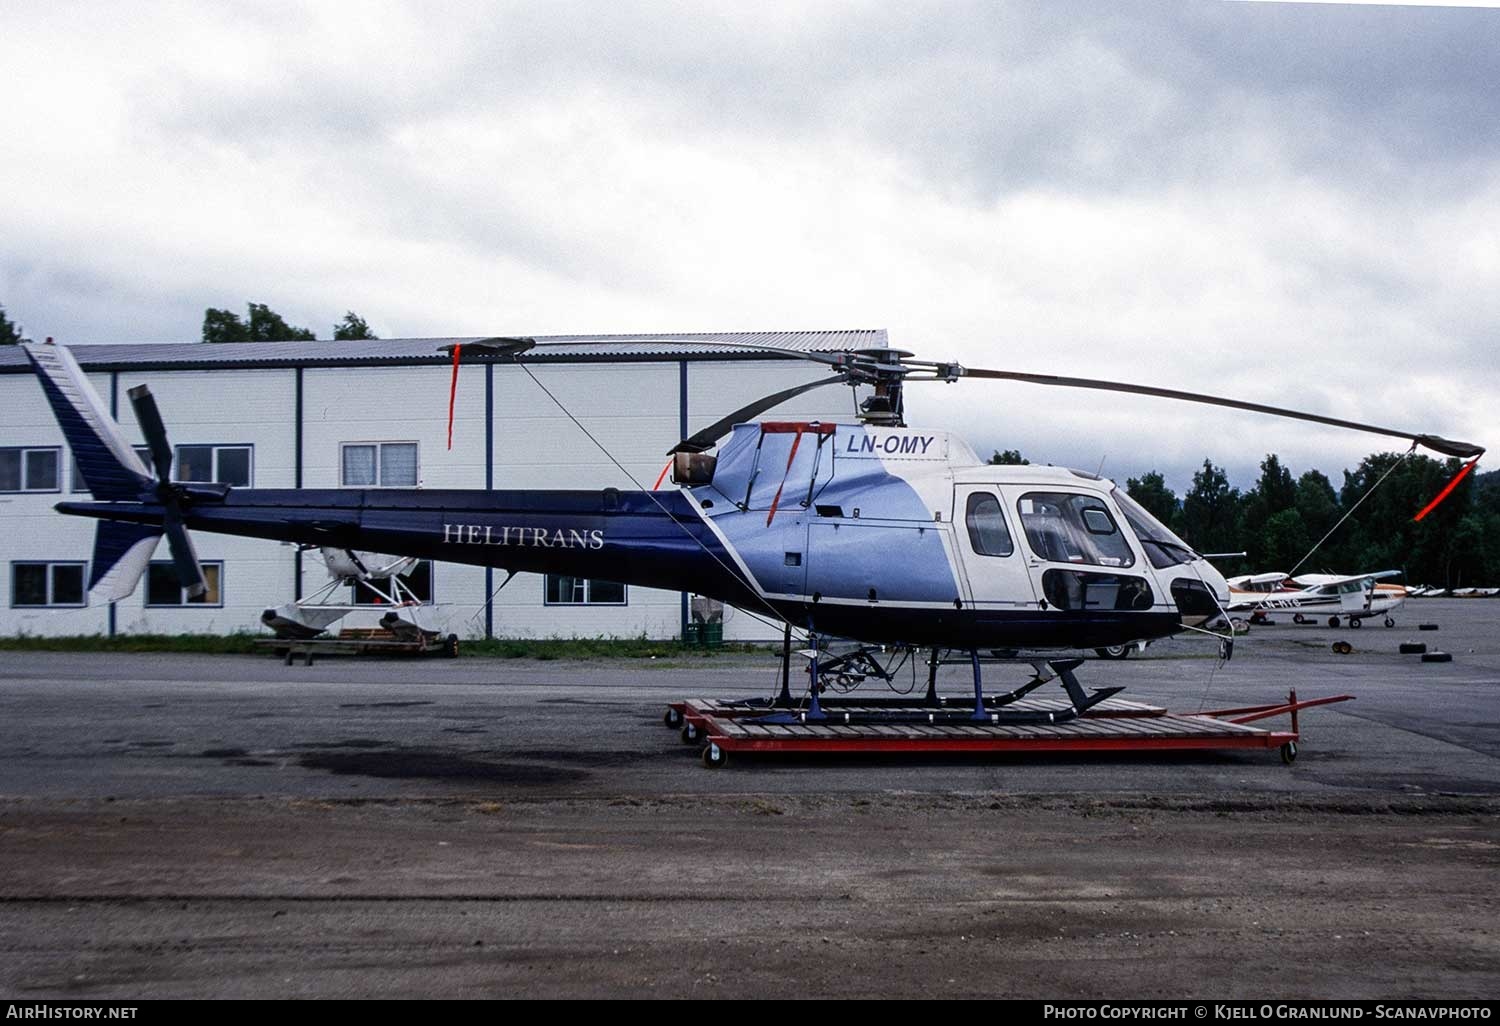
[(1291, 203)]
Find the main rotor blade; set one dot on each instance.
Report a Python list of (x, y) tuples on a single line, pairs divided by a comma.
[(184, 556), (149, 418), (706, 438), (1448, 447)]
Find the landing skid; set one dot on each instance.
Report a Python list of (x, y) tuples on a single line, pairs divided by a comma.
[(931, 708)]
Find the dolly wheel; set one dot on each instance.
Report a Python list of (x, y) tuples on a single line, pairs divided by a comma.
[(1333, 621), (689, 734), (1389, 622), (1289, 752), (673, 718), (714, 757)]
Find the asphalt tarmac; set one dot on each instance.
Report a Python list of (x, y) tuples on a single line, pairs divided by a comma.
[(229, 826)]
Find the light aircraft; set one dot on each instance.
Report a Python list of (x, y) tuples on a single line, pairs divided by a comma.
[(1350, 598), (869, 530)]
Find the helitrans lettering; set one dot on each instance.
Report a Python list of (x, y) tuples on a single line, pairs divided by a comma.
[(523, 537)]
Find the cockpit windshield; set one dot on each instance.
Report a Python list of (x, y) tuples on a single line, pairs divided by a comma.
[(1162, 547)]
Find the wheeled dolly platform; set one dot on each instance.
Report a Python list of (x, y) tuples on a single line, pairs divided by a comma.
[(1111, 726)]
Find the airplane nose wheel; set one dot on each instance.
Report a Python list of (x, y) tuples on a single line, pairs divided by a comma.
[(1389, 622), (1354, 621), (1289, 752)]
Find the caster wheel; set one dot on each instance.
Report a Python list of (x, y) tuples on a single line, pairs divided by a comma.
[(690, 734), (1289, 752), (714, 757), (1389, 622), (1355, 622), (672, 718), (1333, 621)]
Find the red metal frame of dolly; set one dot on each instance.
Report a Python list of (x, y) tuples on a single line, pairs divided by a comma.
[(920, 740)]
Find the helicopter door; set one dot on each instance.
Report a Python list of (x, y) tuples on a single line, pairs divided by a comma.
[(987, 539), (1080, 558)]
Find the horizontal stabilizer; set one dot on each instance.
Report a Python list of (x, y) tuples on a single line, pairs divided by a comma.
[(121, 552)]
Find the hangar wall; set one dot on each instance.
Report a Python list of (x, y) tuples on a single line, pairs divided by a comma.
[(635, 409)]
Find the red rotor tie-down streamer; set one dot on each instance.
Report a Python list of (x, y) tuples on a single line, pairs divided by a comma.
[(1463, 473), (453, 393), (796, 441)]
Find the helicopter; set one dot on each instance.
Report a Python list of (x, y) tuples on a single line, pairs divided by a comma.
[(868, 530)]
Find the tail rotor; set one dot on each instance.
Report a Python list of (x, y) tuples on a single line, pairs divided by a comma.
[(184, 555)]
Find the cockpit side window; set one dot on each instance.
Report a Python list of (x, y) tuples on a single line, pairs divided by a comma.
[(1065, 527), (987, 531), (1163, 548)]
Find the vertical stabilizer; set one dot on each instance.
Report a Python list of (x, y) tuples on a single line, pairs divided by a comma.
[(105, 459)]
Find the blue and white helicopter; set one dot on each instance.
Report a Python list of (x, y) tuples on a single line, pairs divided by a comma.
[(870, 530)]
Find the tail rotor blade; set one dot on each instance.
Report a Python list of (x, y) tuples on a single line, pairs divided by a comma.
[(184, 556), (147, 415)]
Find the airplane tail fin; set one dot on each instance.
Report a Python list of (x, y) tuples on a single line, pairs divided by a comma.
[(108, 464)]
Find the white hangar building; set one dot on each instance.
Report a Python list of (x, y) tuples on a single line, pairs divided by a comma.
[(374, 413)]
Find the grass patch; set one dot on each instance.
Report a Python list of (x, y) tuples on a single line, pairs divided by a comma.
[(544, 649), (592, 648), (212, 644)]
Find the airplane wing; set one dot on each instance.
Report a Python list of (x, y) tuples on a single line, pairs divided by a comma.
[(1326, 580)]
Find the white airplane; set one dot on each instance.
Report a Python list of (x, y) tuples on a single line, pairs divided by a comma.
[(1352, 597)]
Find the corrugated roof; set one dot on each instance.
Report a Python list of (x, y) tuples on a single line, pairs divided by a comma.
[(395, 351)]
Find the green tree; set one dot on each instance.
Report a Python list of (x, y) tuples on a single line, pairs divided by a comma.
[(262, 325), (10, 332), (223, 326), (1382, 534), (266, 325), (1318, 506), (353, 326), (1010, 458), (1211, 512), (1274, 493), (1282, 542), (1151, 491)]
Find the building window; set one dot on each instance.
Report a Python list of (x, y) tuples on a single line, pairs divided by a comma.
[(40, 585), (30, 470), (582, 591), (212, 464), (418, 580), (378, 464), (165, 591)]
